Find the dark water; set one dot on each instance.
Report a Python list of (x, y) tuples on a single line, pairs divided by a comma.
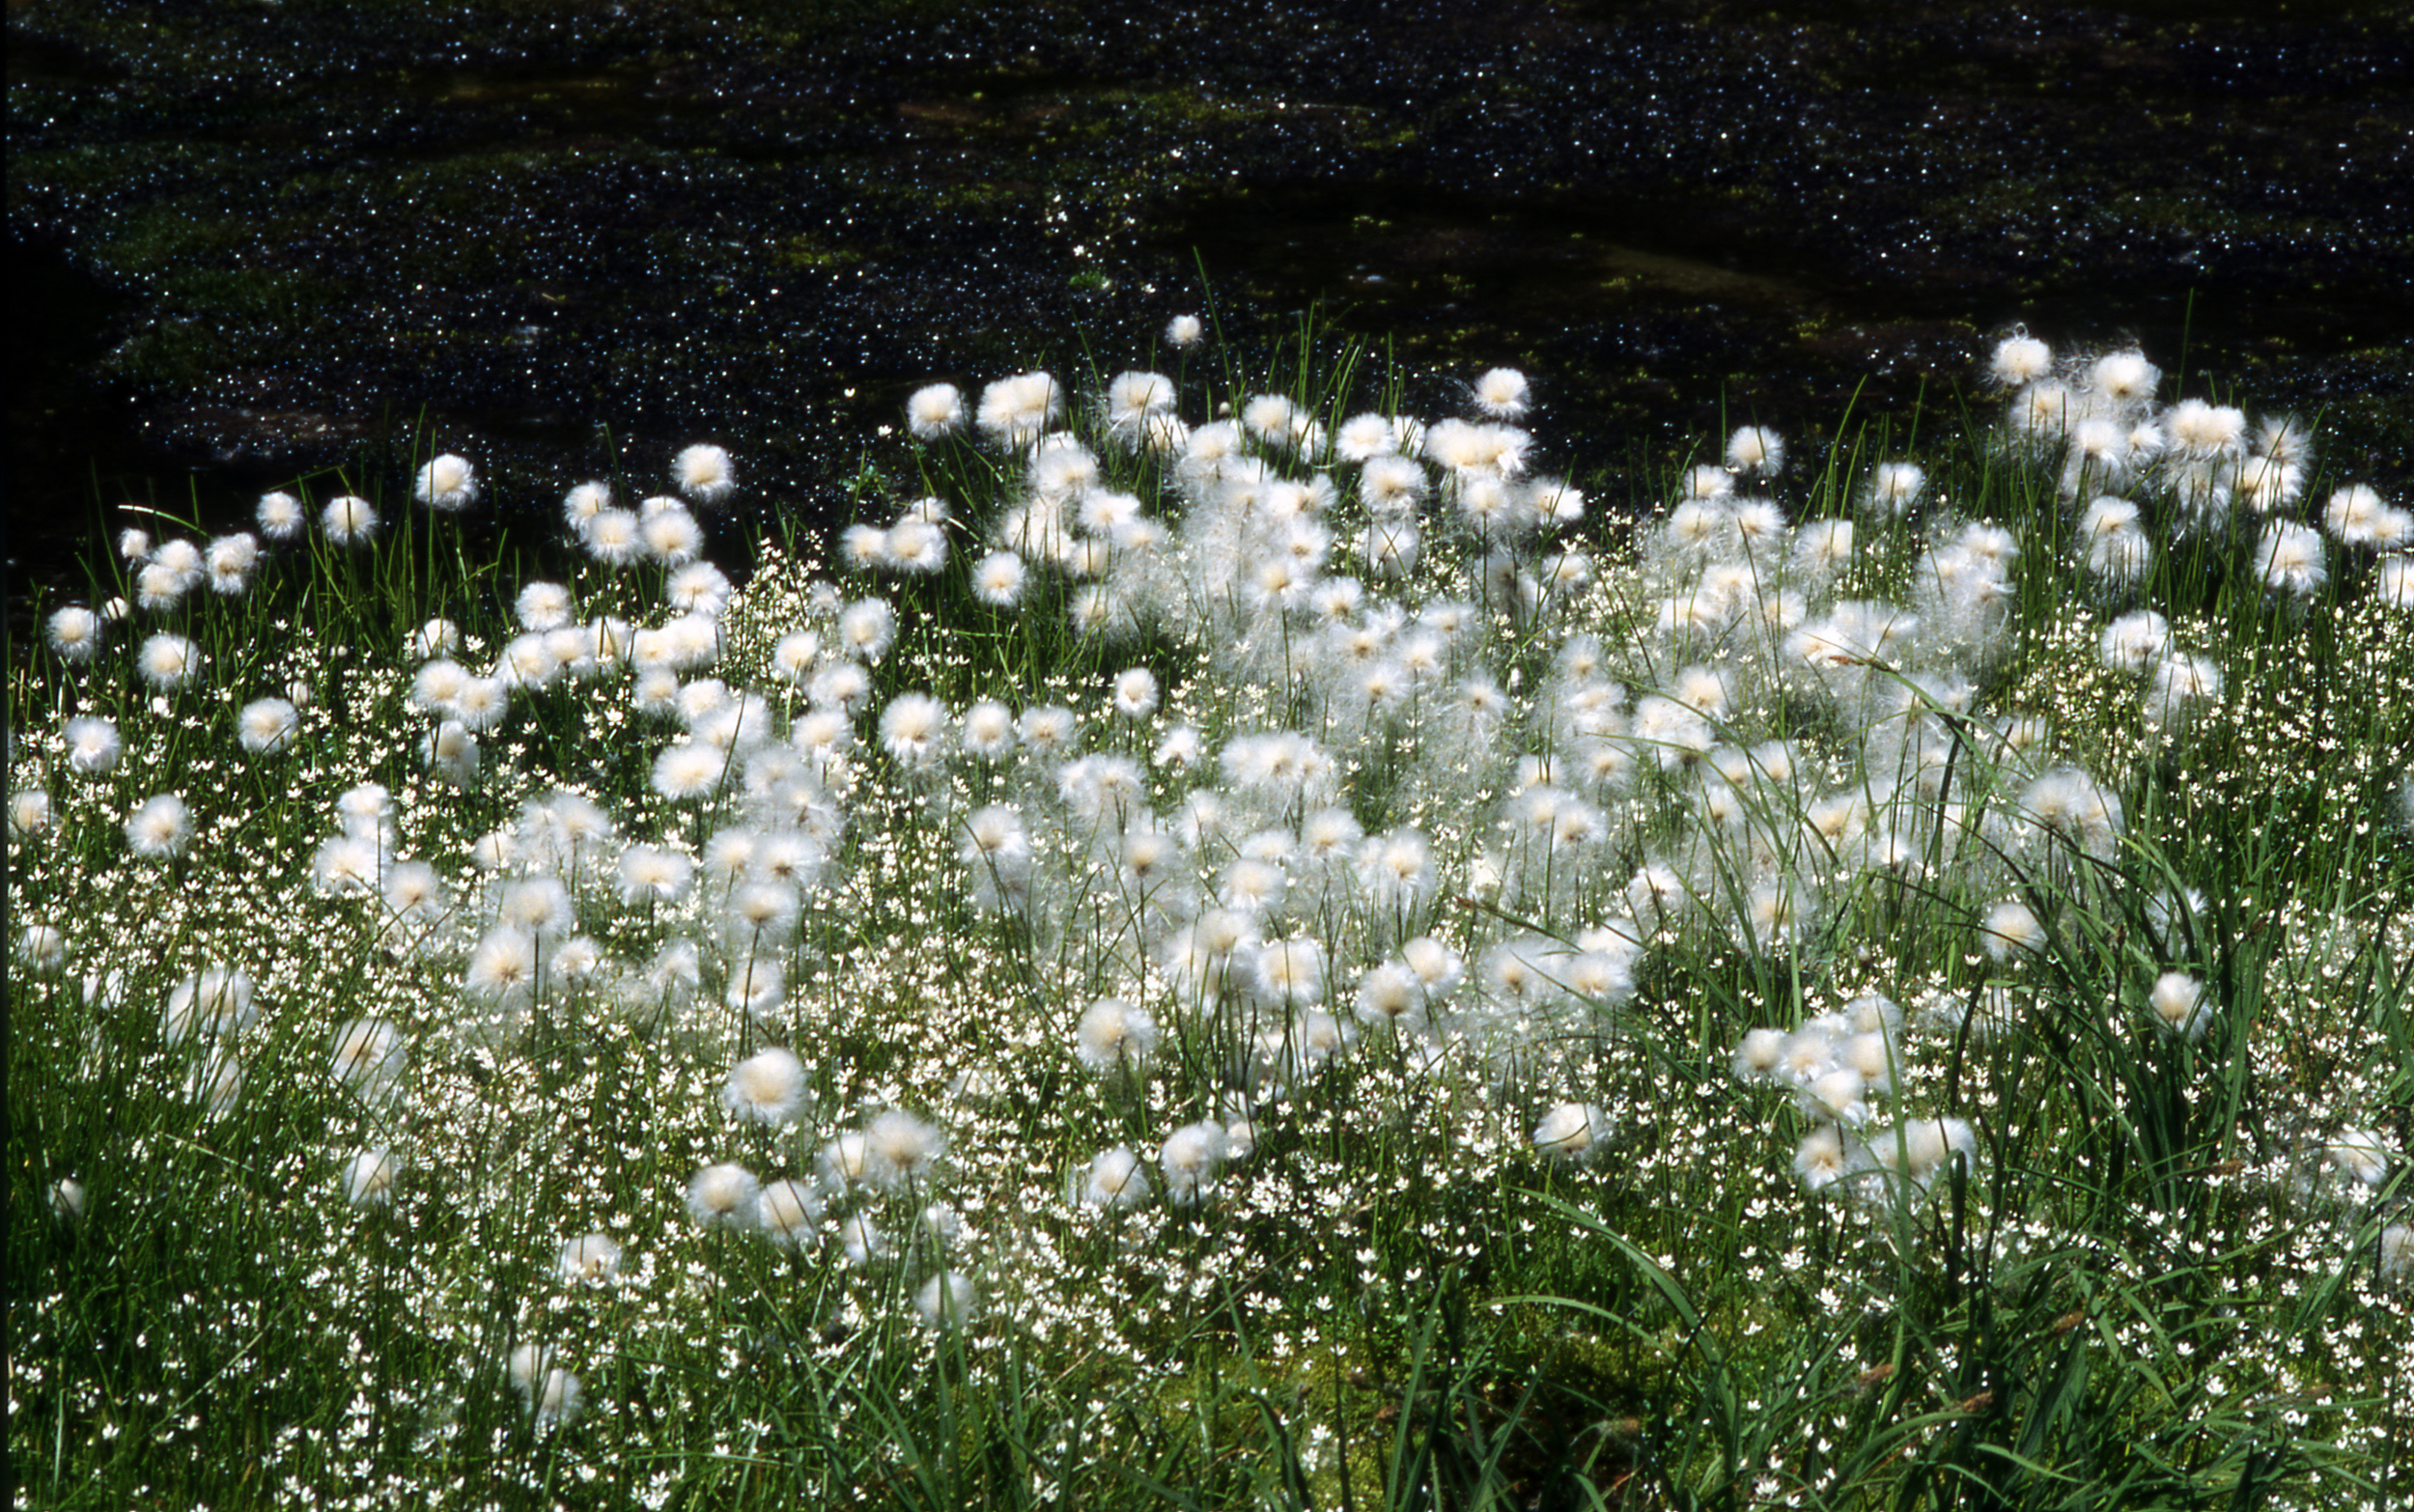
[(566, 238)]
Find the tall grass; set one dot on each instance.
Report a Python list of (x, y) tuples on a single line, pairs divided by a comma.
[(1425, 1154)]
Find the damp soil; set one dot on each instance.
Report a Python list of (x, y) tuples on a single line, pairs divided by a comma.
[(250, 242)]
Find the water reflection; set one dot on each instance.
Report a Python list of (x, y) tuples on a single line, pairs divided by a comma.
[(577, 243)]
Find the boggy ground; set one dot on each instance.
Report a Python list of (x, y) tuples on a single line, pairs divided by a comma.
[(569, 237)]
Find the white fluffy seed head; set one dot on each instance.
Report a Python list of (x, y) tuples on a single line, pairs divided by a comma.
[(767, 1087), (704, 473), (2179, 1006), (447, 483), (1115, 1179), (2020, 358), (1114, 1033), (901, 1148), (349, 520), (723, 1196), (934, 411), (369, 1178), (1573, 1131), (1503, 393), (789, 1211), (1755, 451), (593, 1258), (1189, 1159)]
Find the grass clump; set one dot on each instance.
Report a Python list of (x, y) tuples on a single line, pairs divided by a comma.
[(1226, 945)]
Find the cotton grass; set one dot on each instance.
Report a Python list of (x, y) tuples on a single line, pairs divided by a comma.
[(1210, 878)]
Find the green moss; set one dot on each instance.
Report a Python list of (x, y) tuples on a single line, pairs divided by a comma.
[(806, 250), (277, 298)]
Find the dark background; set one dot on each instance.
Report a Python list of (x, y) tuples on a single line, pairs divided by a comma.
[(248, 240)]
